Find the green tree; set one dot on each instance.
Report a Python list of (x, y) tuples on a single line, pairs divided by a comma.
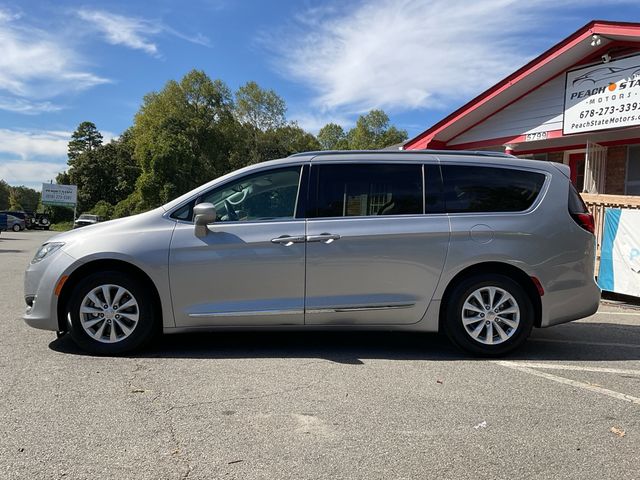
[(181, 138), (85, 139), (371, 132), (259, 113), (333, 137), (259, 108), (23, 198), (103, 209), (106, 173), (5, 192)]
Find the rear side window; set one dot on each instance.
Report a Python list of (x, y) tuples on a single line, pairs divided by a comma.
[(576, 204), (349, 190), (470, 188)]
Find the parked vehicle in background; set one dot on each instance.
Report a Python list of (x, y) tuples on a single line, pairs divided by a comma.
[(86, 219), (16, 224), (21, 215), (3, 222), (40, 221), (482, 245)]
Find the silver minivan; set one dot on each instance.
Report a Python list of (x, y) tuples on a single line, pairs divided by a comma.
[(482, 245)]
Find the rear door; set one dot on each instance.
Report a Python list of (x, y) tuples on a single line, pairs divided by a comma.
[(373, 256)]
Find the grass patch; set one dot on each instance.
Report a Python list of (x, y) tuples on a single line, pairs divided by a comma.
[(61, 227)]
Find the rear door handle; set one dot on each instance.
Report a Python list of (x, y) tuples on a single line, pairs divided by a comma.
[(323, 237), (288, 240)]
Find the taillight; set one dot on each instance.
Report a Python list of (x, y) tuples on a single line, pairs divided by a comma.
[(585, 220), (579, 211)]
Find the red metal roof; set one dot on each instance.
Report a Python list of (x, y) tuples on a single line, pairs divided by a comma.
[(571, 51)]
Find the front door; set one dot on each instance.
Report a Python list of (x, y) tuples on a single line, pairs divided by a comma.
[(576, 165), (249, 267), (373, 257)]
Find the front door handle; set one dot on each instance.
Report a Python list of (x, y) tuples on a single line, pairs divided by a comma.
[(288, 240), (323, 237)]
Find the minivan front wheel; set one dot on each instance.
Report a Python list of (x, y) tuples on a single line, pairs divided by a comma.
[(489, 315), (111, 313)]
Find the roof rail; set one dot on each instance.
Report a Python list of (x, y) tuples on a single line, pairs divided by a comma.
[(479, 153)]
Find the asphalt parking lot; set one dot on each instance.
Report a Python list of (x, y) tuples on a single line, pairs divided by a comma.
[(316, 406)]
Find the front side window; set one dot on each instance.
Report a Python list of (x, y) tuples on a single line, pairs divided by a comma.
[(267, 195), (471, 188), (348, 190)]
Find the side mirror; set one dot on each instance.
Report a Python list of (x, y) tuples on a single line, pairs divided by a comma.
[(203, 215)]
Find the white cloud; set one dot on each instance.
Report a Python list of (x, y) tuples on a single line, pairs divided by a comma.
[(410, 54), (133, 32), (33, 157), (30, 173), (120, 30), (36, 65), (22, 105), (26, 145)]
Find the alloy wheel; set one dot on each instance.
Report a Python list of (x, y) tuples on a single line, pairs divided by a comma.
[(490, 315), (109, 313)]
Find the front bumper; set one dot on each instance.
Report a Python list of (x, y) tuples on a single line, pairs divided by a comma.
[(40, 280)]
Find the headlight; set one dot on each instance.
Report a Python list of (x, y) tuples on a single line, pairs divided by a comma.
[(45, 250)]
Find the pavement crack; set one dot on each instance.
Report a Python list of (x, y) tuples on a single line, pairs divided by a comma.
[(177, 450)]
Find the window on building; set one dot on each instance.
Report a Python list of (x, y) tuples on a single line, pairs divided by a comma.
[(632, 186), (469, 188), (368, 189)]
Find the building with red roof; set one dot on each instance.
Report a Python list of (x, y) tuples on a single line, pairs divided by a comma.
[(577, 103)]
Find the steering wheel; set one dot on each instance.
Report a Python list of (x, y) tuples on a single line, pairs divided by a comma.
[(231, 213), (245, 191)]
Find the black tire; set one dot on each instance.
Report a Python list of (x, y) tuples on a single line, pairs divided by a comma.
[(16, 228), (141, 334), (457, 332)]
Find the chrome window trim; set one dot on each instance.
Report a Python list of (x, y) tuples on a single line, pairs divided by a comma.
[(248, 313), (360, 308), (354, 308)]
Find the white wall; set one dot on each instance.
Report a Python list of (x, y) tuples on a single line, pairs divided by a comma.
[(539, 111)]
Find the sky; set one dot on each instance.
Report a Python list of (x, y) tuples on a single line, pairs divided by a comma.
[(64, 62)]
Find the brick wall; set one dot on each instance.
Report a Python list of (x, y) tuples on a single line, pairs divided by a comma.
[(616, 170)]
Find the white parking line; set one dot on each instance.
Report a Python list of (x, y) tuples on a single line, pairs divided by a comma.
[(573, 383), (593, 344), (637, 314), (577, 368)]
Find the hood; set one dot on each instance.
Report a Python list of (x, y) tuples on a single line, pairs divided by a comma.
[(91, 230)]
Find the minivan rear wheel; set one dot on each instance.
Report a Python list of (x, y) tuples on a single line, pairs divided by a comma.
[(489, 315), (111, 313)]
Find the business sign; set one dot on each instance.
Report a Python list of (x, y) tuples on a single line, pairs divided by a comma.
[(602, 96), (61, 195), (620, 256)]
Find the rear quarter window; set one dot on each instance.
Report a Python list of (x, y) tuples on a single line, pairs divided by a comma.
[(471, 188)]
